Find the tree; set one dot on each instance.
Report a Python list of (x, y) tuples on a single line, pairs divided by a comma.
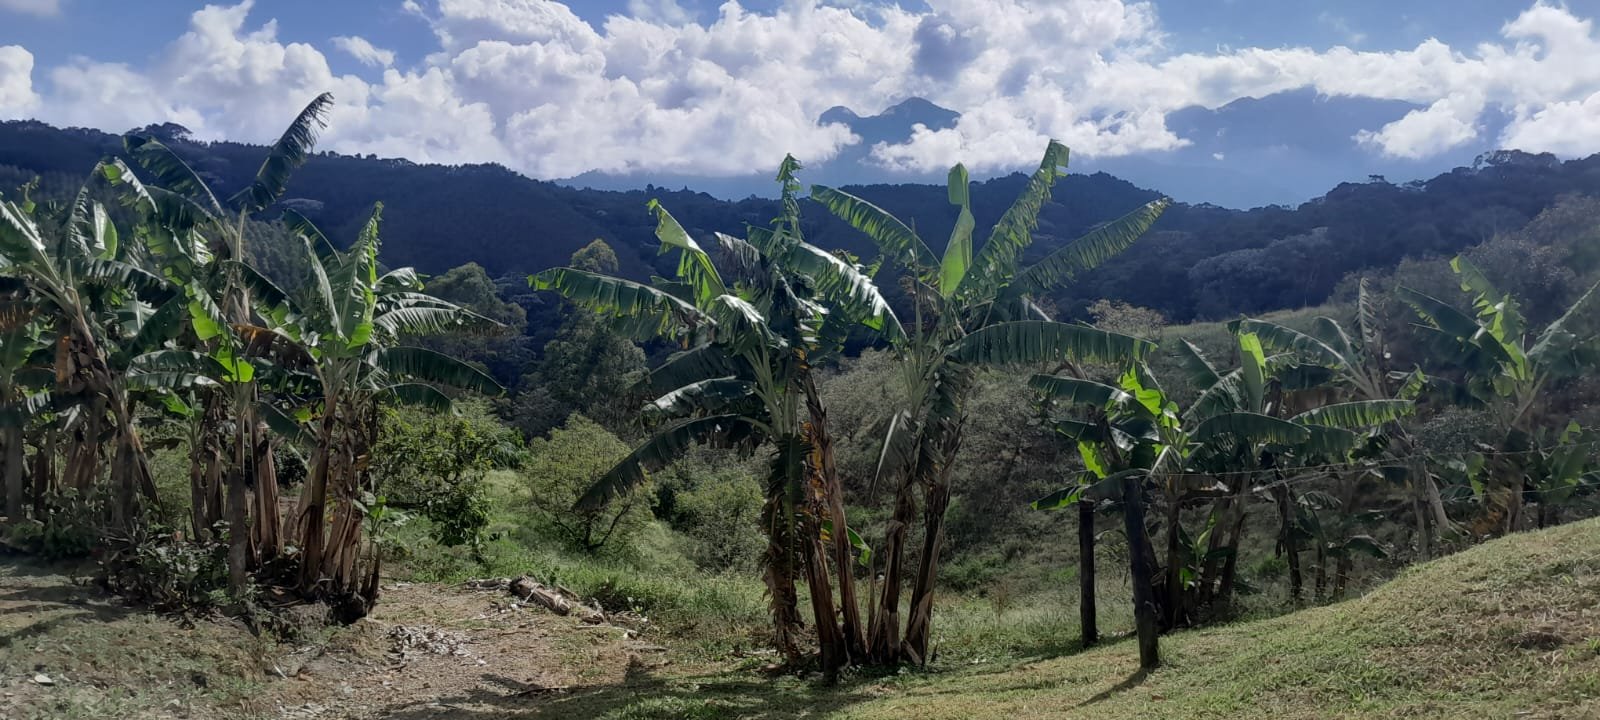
[(971, 310), (70, 278), (587, 368), (1361, 370), (561, 469), (743, 382), (504, 352), (351, 321), (198, 244), (1508, 369)]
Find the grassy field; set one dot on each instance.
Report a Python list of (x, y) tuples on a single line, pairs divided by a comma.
[(1508, 629)]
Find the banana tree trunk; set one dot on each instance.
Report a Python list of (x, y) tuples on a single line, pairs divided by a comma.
[(1176, 613), (1424, 525), (269, 520), (44, 470), (1322, 572), (1287, 540), (238, 510), (1140, 574), (1236, 527), (777, 517), (1087, 617), (919, 625), (311, 519), (12, 460), (884, 632), (822, 463), (830, 640)]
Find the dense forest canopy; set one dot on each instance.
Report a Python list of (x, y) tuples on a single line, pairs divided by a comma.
[(1199, 262)]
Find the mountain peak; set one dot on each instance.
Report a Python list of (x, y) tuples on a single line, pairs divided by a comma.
[(895, 123)]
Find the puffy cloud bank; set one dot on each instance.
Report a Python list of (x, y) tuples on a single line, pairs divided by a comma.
[(529, 84)]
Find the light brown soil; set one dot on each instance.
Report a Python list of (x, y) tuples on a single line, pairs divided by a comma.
[(427, 651)]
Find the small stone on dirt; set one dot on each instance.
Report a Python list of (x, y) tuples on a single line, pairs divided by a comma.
[(43, 679)]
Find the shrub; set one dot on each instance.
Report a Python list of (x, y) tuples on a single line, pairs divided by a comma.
[(720, 514), (561, 468), (434, 464)]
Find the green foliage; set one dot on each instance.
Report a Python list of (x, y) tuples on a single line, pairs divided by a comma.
[(169, 576), (434, 464), (561, 468), (716, 504)]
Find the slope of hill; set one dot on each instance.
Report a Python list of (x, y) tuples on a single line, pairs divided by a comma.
[(1506, 629), (1201, 261)]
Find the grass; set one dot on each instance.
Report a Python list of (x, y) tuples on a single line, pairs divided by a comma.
[(1507, 629), (108, 661), (702, 612)]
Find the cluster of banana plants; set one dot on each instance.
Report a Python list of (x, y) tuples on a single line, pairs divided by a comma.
[(1315, 423), (166, 322), (746, 374)]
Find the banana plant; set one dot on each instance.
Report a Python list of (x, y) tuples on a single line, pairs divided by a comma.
[(754, 331), (1231, 435), (973, 308), (350, 323), (23, 353), (77, 275), (198, 243), (1361, 372), (1336, 540), (1509, 370)]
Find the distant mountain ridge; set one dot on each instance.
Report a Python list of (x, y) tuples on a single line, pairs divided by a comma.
[(1200, 261), (1281, 149)]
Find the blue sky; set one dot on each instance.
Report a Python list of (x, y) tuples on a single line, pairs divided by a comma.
[(101, 28), (699, 87)]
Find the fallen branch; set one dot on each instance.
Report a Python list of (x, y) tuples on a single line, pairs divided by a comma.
[(558, 600)]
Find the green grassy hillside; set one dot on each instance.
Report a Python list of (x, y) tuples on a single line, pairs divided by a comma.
[(1508, 629)]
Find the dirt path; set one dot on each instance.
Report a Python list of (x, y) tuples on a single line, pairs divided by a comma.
[(428, 651)]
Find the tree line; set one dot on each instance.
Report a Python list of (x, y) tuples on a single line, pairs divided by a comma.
[(110, 333)]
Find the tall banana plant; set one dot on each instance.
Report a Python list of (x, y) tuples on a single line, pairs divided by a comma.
[(78, 277), (351, 320), (754, 332), (197, 242), (1361, 371), (1214, 452), (1286, 388), (23, 352), (1509, 370), (973, 308)]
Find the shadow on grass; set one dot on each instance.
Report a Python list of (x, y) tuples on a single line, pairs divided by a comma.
[(638, 696), (1133, 681), (36, 599)]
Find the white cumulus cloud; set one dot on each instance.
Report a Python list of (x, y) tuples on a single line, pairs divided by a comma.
[(17, 98), (530, 84)]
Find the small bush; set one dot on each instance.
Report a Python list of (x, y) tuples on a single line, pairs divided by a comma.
[(434, 464), (561, 469), (167, 575)]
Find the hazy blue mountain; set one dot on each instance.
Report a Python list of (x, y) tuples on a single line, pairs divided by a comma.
[(1282, 149), (851, 167)]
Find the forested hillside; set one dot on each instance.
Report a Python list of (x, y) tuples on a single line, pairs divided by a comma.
[(1199, 262)]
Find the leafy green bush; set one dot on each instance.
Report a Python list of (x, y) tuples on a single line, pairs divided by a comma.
[(560, 469), (717, 507), (434, 464)]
